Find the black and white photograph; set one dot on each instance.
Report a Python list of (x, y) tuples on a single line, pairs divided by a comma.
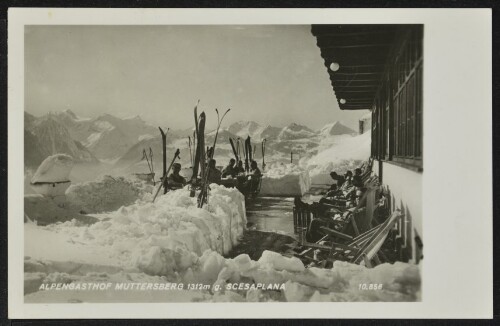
[(224, 163)]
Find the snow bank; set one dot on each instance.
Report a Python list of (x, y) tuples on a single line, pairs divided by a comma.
[(161, 238), (106, 194), (55, 168), (44, 210), (345, 154), (285, 180)]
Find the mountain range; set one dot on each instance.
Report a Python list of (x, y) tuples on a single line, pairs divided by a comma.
[(122, 140)]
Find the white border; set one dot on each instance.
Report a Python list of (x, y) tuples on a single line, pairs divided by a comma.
[(457, 188)]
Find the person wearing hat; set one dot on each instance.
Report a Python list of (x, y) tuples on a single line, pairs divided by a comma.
[(175, 180)]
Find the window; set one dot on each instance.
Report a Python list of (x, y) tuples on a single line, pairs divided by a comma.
[(397, 112)]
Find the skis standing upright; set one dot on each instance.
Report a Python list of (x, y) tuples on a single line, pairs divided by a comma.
[(263, 154), (238, 146), (201, 144), (235, 152), (164, 154), (247, 153), (203, 196), (248, 145), (199, 158)]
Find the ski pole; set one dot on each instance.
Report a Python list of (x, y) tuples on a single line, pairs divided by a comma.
[(152, 167)]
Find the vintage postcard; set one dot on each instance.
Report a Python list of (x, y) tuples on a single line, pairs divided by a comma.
[(240, 163)]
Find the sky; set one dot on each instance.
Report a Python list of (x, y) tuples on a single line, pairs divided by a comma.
[(271, 74)]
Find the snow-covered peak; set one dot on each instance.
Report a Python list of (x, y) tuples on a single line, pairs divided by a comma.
[(336, 128), (295, 131), (70, 113), (245, 128)]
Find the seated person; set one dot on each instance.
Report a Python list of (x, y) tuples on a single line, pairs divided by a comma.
[(175, 180), (339, 180), (356, 180), (253, 177), (230, 170), (214, 175), (239, 168)]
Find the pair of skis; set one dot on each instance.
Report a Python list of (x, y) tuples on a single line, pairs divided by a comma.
[(248, 154), (203, 196), (199, 148)]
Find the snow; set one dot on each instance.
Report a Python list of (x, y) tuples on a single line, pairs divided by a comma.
[(367, 116), (285, 180), (106, 193), (347, 153), (92, 139), (163, 238), (145, 136), (103, 125), (44, 210), (295, 131), (237, 280), (335, 128), (55, 168), (172, 241)]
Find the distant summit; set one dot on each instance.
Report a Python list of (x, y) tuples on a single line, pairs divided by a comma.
[(46, 136), (295, 131), (245, 129), (336, 128)]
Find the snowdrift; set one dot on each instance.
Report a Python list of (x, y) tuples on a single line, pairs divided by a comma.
[(106, 194), (285, 180), (44, 210), (160, 238), (345, 154), (55, 168)]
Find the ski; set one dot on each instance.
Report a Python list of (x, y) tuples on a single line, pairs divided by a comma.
[(194, 148), (247, 167), (203, 196), (249, 144), (238, 147), (234, 149), (176, 155), (164, 148), (199, 158), (263, 154), (201, 144)]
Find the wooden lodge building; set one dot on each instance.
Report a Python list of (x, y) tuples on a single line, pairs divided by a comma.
[(379, 68)]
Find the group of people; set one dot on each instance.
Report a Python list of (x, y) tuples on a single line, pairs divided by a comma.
[(246, 181), (233, 170), (349, 186)]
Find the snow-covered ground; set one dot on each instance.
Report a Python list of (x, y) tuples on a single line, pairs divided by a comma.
[(287, 180), (153, 247)]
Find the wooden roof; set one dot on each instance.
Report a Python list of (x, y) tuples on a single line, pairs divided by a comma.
[(362, 52)]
